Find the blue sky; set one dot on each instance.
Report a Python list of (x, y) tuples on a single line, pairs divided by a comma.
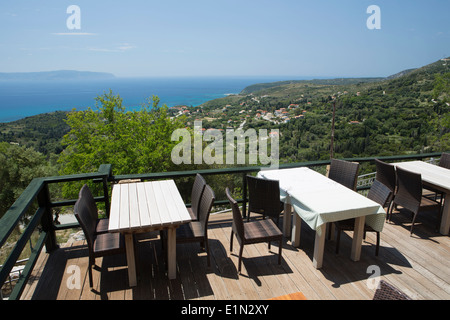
[(292, 38)]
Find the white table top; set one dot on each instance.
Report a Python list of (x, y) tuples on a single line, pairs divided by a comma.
[(318, 199), (137, 207), (432, 174)]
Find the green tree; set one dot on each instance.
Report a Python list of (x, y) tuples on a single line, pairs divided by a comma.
[(442, 86), (132, 141)]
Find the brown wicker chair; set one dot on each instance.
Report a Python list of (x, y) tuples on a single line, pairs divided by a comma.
[(101, 225), (197, 231), (445, 160), (99, 245), (378, 193), (252, 232), (387, 176), (386, 291), (409, 194), (196, 195), (264, 198), (344, 172)]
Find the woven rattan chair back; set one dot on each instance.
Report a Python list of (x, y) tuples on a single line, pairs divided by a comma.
[(196, 194), (264, 197), (86, 194), (238, 223), (409, 190), (386, 291), (344, 172), (445, 160), (379, 193), (205, 205), (386, 174), (84, 212)]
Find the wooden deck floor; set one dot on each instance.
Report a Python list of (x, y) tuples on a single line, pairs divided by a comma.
[(418, 265)]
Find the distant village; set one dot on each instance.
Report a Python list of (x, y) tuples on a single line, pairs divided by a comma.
[(231, 115), (236, 115)]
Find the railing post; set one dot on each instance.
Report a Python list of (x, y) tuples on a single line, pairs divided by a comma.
[(244, 194), (106, 170), (47, 219), (106, 194)]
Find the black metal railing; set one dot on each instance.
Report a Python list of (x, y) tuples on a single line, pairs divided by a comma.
[(42, 217)]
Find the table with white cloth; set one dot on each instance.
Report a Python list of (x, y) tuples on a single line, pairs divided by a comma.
[(318, 200), (147, 206), (438, 178)]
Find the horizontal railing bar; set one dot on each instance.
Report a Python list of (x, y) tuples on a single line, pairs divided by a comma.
[(75, 177), (236, 170), (65, 203), (65, 226)]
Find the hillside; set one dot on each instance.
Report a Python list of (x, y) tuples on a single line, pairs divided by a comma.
[(42, 132), (395, 115), (336, 81)]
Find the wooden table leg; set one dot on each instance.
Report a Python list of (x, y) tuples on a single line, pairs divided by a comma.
[(287, 219), (172, 253), (319, 245), (131, 261), (297, 225), (357, 238), (445, 221)]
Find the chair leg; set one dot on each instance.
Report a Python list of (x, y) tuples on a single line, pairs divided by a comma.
[(231, 241), (389, 213), (413, 221), (241, 250), (91, 264)]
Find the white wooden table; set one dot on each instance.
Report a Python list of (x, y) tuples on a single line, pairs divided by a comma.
[(436, 177), (318, 200), (143, 207)]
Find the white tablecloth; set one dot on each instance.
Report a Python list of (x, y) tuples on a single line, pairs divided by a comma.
[(318, 200)]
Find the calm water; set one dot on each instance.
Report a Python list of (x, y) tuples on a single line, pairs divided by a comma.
[(23, 99)]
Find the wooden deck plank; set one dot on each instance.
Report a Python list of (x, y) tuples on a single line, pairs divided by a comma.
[(416, 265), (235, 288)]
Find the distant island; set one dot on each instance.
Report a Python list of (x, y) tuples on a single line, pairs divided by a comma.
[(55, 75)]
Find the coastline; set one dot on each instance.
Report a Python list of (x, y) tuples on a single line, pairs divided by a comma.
[(22, 99)]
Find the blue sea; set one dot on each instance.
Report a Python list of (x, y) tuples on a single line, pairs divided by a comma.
[(20, 99)]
